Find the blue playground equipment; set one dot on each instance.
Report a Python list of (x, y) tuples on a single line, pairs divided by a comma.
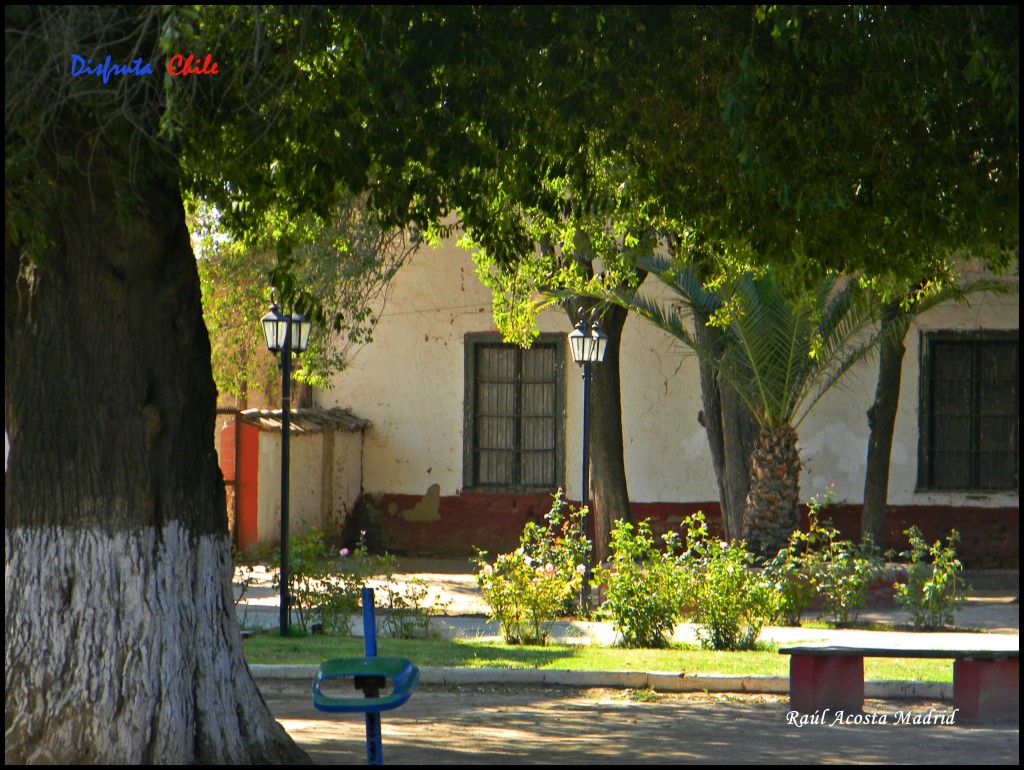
[(371, 675)]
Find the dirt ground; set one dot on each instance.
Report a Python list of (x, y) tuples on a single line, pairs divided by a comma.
[(504, 725)]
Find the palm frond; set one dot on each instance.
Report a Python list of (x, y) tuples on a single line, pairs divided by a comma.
[(780, 354)]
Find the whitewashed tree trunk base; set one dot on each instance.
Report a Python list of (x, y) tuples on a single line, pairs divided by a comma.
[(124, 648)]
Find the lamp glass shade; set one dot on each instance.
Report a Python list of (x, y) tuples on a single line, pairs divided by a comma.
[(275, 327), (588, 345), (599, 343), (577, 344), (301, 327)]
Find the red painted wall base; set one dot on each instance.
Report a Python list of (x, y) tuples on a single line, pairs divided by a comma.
[(457, 525)]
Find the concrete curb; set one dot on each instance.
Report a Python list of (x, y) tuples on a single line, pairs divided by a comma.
[(663, 682)]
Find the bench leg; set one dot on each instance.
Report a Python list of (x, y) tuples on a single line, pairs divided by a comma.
[(817, 682), (986, 688)]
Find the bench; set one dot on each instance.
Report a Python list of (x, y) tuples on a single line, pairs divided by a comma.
[(986, 683)]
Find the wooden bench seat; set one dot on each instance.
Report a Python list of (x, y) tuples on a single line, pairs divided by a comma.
[(986, 683)]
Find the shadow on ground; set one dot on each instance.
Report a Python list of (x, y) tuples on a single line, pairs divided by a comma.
[(522, 725)]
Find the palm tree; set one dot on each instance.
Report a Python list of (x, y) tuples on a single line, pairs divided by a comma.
[(781, 354)]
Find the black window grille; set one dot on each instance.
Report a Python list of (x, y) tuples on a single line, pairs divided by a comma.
[(969, 412), (514, 415)]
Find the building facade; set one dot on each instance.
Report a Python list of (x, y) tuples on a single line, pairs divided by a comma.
[(468, 436)]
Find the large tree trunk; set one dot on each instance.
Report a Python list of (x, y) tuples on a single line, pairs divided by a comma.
[(610, 500), (881, 423), (121, 641), (731, 430), (773, 513)]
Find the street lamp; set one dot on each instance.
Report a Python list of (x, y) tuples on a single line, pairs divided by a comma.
[(285, 334), (587, 343)]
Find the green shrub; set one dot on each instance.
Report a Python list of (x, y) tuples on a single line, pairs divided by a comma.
[(325, 586), (730, 601), (643, 585), (794, 570), (934, 590), (526, 590), (819, 565), (844, 580), (410, 611), (842, 572), (792, 573)]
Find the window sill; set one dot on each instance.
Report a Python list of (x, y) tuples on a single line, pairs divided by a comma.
[(966, 497)]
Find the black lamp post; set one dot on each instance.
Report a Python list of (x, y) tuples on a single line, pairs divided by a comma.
[(587, 343), (286, 334)]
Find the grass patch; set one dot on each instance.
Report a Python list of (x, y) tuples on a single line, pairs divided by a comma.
[(471, 653)]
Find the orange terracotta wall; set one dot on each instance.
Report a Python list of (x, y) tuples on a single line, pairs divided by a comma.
[(247, 481)]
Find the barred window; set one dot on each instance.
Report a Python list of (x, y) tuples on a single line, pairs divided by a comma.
[(514, 432), (969, 412)]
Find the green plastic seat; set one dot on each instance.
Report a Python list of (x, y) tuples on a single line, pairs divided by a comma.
[(402, 674)]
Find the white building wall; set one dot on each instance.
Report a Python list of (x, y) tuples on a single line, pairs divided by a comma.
[(347, 470), (409, 383), (990, 312), (304, 484)]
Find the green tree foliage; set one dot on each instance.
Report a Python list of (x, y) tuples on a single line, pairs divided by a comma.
[(575, 243), (881, 141), (344, 265), (234, 283)]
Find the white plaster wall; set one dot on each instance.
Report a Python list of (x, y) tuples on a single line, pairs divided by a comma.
[(667, 455), (834, 437), (304, 482), (348, 477), (409, 383)]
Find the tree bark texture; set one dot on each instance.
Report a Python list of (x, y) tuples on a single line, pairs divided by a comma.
[(731, 430), (881, 425), (772, 512), (610, 499), (121, 641)]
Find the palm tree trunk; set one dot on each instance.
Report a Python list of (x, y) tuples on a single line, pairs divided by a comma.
[(772, 512)]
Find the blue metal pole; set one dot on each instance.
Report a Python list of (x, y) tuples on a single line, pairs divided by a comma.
[(369, 624), (374, 742)]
